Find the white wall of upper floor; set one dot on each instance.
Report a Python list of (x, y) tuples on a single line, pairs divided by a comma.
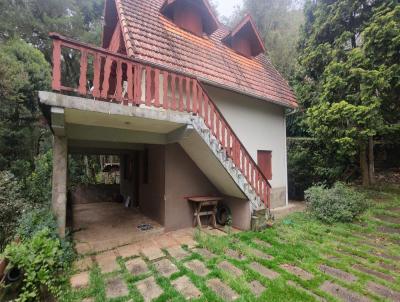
[(260, 125)]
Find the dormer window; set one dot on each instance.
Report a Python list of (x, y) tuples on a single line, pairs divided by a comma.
[(194, 16), (245, 39)]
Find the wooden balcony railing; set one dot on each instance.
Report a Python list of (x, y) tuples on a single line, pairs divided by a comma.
[(112, 77)]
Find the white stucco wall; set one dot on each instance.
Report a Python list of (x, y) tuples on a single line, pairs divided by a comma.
[(260, 126)]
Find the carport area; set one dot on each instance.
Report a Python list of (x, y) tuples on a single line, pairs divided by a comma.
[(162, 160), (102, 226), (105, 214)]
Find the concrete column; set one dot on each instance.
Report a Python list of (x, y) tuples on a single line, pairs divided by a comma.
[(59, 189)]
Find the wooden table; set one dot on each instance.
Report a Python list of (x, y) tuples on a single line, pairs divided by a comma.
[(204, 201)]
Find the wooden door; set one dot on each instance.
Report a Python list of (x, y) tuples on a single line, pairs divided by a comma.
[(264, 159)]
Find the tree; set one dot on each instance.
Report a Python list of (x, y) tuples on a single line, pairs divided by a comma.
[(345, 83), (24, 29), (23, 71), (32, 20), (12, 206)]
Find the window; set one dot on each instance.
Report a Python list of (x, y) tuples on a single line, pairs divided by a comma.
[(264, 159)]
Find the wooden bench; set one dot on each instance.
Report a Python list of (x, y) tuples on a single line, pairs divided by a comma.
[(199, 202)]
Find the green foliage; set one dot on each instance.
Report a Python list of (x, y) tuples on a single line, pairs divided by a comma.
[(342, 126), (24, 45), (309, 164), (83, 169), (23, 71), (337, 204), (381, 53), (12, 206), (41, 260), (35, 221), (38, 184), (279, 22), (347, 80), (32, 20)]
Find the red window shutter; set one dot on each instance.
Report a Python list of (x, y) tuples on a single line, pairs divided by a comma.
[(264, 159)]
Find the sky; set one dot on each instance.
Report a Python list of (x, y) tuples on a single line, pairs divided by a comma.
[(226, 7)]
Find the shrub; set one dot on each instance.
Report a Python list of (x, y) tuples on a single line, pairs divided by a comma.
[(41, 260), (35, 221), (38, 183), (12, 206), (337, 204)]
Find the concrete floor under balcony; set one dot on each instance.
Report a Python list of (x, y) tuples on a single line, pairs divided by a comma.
[(104, 225)]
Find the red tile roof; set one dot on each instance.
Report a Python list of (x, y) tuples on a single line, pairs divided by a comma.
[(151, 37)]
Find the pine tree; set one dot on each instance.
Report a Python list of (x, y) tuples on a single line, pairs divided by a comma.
[(347, 79)]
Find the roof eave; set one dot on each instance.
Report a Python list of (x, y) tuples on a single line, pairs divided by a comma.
[(249, 94)]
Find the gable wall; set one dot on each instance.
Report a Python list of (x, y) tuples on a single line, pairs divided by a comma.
[(260, 126)]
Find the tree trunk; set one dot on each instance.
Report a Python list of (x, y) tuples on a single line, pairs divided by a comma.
[(364, 165), (371, 161), (87, 169)]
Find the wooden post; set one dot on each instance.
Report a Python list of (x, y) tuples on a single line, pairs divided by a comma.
[(129, 73), (96, 75), (148, 86), (56, 84), (106, 80), (83, 71), (118, 88), (157, 88), (165, 92)]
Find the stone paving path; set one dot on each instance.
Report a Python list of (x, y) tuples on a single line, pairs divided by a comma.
[(369, 271), (259, 254), (262, 270), (230, 269), (342, 293), (302, 274), (186, 288), (165, 267), (235, 254), (136, 266), (337, 273), (295, 285), (204, 253), (172, 256), (178, 252), (383, 291), (116, 287), (197, 267), (80, 280), (222, 290), (149, 289), (262, 243), (256, 288)]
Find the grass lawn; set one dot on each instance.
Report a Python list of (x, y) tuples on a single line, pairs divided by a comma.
[(360, 262)]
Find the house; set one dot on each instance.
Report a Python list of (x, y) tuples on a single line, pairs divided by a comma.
[(191, 107)]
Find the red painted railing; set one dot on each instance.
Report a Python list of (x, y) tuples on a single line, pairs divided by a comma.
[(121, 79)]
